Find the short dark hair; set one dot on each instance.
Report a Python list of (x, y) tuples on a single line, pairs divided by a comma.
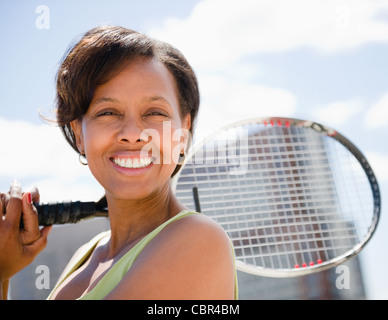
[(96, 57)]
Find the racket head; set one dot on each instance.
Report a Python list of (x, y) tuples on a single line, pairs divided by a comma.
[(294, 196)]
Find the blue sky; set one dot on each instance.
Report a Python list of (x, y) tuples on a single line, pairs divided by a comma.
[(309, 59)]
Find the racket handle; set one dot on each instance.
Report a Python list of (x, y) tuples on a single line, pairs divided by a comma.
[(66, 212), (196, 199)]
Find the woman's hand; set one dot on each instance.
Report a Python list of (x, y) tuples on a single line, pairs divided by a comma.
[(19, 247)]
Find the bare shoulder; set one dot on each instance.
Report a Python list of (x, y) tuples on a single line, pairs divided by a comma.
[(191, 258), (197, 235), (197, 229), (202, 237)]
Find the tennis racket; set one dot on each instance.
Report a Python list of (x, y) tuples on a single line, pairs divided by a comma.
[(294, 196)]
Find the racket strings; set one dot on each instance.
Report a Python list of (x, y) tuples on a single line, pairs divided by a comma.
[(288, 208), (312, 230), (352, 175), (296, 239)]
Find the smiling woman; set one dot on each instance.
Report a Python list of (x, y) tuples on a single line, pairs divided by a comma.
[(106, 51), (127, 103)]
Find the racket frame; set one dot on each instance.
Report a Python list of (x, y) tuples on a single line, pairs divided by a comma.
[(322, 129)]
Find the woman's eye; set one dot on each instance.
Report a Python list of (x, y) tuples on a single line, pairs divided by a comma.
[(106, 113), (157, 113)]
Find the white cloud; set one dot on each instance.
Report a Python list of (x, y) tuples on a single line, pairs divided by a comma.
[(336, 113), (377, 115), (219, 32), (39, 153), (225, 101), (219, 35)]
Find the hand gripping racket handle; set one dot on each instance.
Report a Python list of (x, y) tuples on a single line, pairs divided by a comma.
[(68, 212)]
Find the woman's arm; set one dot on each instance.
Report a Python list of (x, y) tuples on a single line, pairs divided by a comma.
[(4, 289), (190, 259)]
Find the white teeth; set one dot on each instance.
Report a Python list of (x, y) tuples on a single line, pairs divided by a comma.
[(132, 164)]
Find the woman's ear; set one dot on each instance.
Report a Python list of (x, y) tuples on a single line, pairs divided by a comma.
[(186, 125), (76, 126)]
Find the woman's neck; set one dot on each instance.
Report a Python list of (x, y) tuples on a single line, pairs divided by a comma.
[(131, 220)]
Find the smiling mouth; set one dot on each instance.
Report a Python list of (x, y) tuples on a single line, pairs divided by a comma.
[(132, 163)]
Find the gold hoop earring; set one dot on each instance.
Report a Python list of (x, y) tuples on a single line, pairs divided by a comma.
[(82, 159)]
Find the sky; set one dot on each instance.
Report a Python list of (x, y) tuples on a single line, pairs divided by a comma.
[(308, 59)]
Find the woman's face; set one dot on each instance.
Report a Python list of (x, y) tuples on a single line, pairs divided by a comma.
[(128, 131)]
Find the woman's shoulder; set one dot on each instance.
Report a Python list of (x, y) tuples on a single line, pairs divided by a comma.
[(193, 236), (195, 227), (192, 252)]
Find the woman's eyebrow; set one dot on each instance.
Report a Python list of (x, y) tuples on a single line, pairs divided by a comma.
[(146, 100), (157, 99), (104, 99)]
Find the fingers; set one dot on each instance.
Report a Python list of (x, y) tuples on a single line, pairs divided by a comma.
[(19, 246), (2, 204), (34, 193), (36, 247), (4, 199), (21, 206), (14, 207), (30, 232)]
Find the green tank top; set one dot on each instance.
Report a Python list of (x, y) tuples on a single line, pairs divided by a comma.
[(110, 280)]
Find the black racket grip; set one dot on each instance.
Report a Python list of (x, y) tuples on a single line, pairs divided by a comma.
[(64, 212)]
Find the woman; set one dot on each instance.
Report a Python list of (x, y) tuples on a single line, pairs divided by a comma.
[(124, 102)]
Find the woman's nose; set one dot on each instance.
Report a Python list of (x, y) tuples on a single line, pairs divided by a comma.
[(130, 131)]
